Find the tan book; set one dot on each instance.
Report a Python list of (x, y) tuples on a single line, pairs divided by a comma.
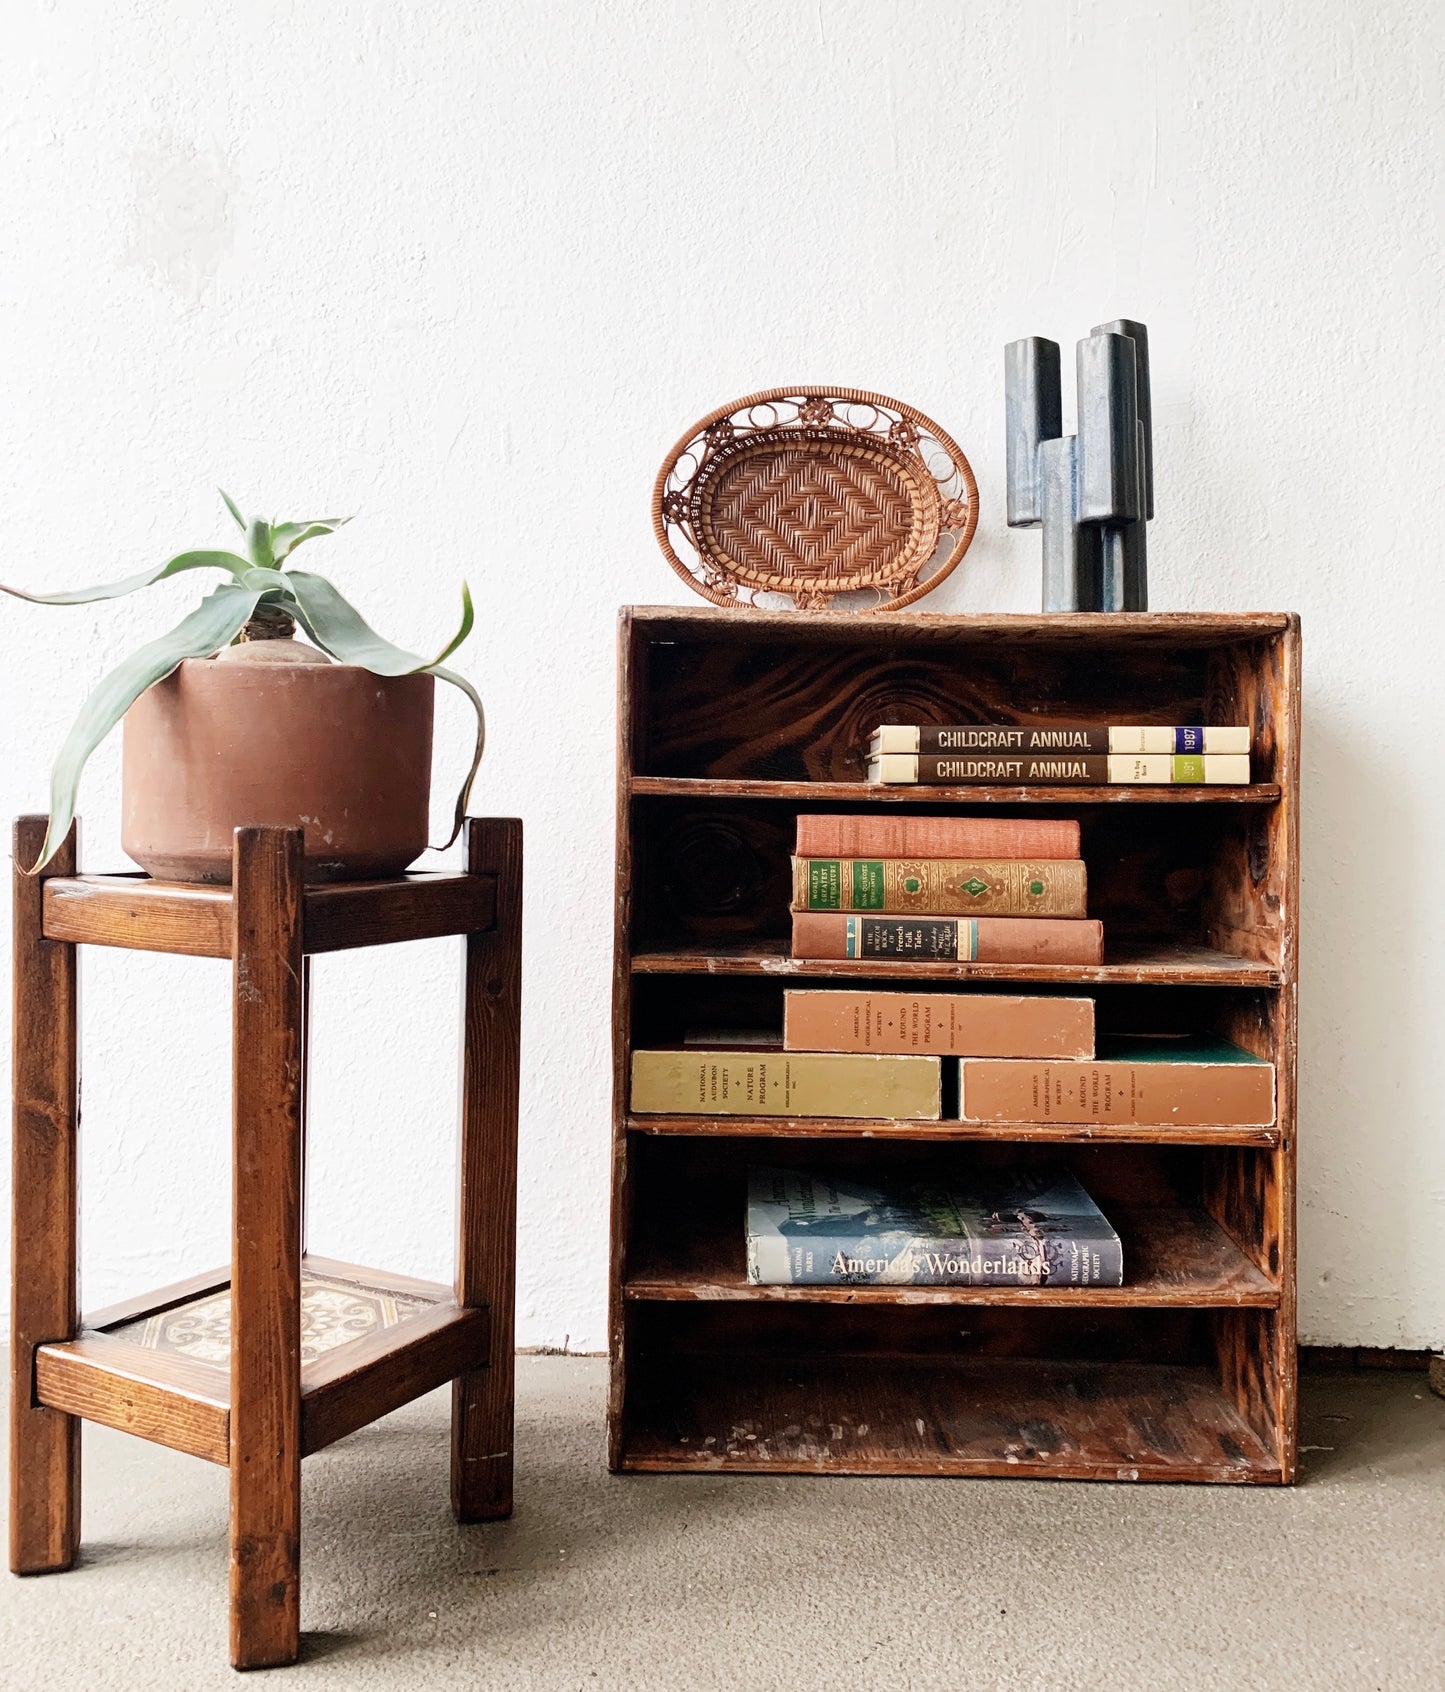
[(779, 1083), (1164, 1083), (945, 1024), (827, 835), (941, 886)]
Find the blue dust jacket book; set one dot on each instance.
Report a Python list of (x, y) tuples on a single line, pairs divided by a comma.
[(1024, 1229)]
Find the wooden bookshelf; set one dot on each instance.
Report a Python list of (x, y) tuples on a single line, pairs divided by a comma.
[(729, 725)]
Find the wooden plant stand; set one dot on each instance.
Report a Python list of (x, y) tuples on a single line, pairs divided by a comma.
[(732, 723), (248, 1372)]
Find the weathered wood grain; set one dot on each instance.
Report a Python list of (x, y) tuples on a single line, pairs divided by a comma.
[(1164, 965), (352, 1385), (266, 1249), (382, 1280), (1172, 1257), (855, 793), (344, 915), (155, 1395), (140, 914), (162, 916), (44, 1442), (482, 1398), (633, 722), (157, 1300), (1131, 629), (963, 1133), (1018, 1417)]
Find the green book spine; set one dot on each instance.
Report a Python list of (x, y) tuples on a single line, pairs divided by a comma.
[(941, 886)]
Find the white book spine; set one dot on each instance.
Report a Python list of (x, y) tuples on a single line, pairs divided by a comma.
[(1155, 739), (892, 767), (1162, 771), (893, 737)]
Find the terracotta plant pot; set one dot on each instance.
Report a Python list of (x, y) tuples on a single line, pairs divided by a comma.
[(274, 732)]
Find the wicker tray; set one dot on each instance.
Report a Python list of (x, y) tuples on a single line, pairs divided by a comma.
[(813, 493)]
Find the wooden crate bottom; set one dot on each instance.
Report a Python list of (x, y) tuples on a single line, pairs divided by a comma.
[(877, 1416)]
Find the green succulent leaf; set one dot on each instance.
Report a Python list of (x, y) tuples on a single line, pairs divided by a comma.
[(338, 628), (258, 544), (286, 537), (115, 590), (232, 508), (459, 815), (267, 581), (215, 621)]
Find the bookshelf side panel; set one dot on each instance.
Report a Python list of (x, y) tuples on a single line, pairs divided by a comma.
[(1252, 897), (631, 707)]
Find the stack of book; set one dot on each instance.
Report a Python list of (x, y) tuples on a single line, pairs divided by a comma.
[(1093, 754), (861, 1053), (974, 889), (987, 1057)]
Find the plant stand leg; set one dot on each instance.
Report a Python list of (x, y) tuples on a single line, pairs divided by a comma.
[(482, 1400), (267, 1049), (44, 1444)]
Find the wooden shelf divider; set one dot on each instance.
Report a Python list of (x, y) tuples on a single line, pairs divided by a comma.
[(1164, 964), (865, 793), (1008, 1133), (1176, 1258)]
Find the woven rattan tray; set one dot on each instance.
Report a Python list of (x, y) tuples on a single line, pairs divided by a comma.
[(813, 494)]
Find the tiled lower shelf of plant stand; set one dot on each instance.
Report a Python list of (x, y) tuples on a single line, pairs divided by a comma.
[(159, 1366)]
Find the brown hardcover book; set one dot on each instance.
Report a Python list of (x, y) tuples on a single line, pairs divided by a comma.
[(941, 886), (759, 1082), (822, 836), (943, 1024), (1205, 1083), (1003, 940)]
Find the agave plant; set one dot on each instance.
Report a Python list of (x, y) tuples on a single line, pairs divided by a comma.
[(260, 600)]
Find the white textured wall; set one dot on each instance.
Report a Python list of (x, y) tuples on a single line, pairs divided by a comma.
[(469, 268)]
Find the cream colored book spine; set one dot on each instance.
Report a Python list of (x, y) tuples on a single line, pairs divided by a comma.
[(1166, 769), (778, 1083), (1212, 742)]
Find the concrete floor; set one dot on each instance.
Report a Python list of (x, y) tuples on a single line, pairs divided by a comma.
[(670, 1584)]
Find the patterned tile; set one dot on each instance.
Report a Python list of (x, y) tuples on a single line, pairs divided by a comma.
[(333, 1313)]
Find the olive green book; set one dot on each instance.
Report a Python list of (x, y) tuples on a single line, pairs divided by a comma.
[(1054, 887), (772, 1082)]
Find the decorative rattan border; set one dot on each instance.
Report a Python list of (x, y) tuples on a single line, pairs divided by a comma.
[(962, 504)]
